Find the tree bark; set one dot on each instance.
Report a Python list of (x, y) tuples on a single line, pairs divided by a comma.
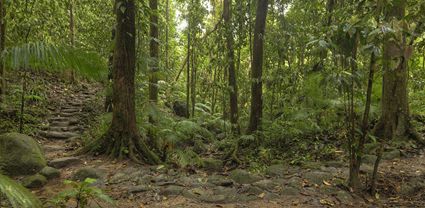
[(257, 68), (123, 138), (394, 121), (233, 89), (154, 54), (395, 118), (2, 47)]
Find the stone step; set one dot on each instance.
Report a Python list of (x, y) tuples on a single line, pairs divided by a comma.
[(63, 123), (66, 129), (63, 162), (58, 135), (70, 110)]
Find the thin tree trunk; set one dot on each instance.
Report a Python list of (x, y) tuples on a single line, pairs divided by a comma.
[(123, 138), (2, 47), (23, 94), (188, 67), (167, 19), (154, 55), (72, 31), (257, 68), (193, 80), (233, 89)]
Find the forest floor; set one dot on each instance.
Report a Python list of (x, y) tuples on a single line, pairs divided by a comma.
[(401, 179)]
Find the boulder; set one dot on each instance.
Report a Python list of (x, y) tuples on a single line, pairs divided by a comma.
[(87, 172), (20, 155), (243, 177), (50, 172), (172, 190), (35, 181), (391, 155)]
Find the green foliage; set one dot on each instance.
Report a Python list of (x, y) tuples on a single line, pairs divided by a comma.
[(40, 55), (83, 193), (17, 195)]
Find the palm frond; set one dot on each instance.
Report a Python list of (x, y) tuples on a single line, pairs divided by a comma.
[(18, 196), (47, 56)]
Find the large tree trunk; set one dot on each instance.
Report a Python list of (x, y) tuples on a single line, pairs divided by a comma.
[(395, 118), (257, 67), (154, 54), (2, 47), (123, 138), (394, 121), (233, 88)]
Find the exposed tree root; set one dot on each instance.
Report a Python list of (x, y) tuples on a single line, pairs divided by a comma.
[(122, 145)]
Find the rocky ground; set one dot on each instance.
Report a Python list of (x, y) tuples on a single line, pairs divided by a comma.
[(317, 184)]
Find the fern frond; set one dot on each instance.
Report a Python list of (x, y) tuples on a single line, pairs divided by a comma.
[(18, 196), (47, 56)]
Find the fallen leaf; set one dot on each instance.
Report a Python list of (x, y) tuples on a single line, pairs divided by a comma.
[(326, 202), (262, 195), (327, 183)]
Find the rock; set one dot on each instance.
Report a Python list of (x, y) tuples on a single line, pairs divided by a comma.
[(58, 134), (391, 155), (344, 197), (253, 190), (139, 189), (366, 169), (50, 172), (35, 181), (317, 177), (220, 180), (20, 155), (172, 190), (277, 170), (295, 182), (266, 184), (63, 162), (243, 177), (190, 181), (180, 109), (88, 172), (412, 186), (369, 159), (212, 198), (335, 164), (211, 164), (290, 191)]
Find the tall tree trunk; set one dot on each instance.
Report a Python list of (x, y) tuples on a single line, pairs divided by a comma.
[(188, 67), (233, 89), (123, 138), (394, 121), (257, 67), (154, 54), (108, 97), (395, 118), (72, 31), (167, 19), (2, 47)]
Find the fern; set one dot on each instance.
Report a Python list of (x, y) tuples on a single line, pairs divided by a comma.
[(47, 56), (17, 195)]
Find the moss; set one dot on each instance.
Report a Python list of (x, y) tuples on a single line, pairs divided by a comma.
[(20, 155)]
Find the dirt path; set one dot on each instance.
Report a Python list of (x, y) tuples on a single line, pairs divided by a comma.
[(321, 185)]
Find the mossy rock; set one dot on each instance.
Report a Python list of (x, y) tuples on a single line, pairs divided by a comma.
[(244, 177), (50, 172), (35, 181), (20, 155), (211, 164)]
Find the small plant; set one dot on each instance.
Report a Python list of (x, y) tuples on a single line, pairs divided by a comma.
[(82, 193)]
